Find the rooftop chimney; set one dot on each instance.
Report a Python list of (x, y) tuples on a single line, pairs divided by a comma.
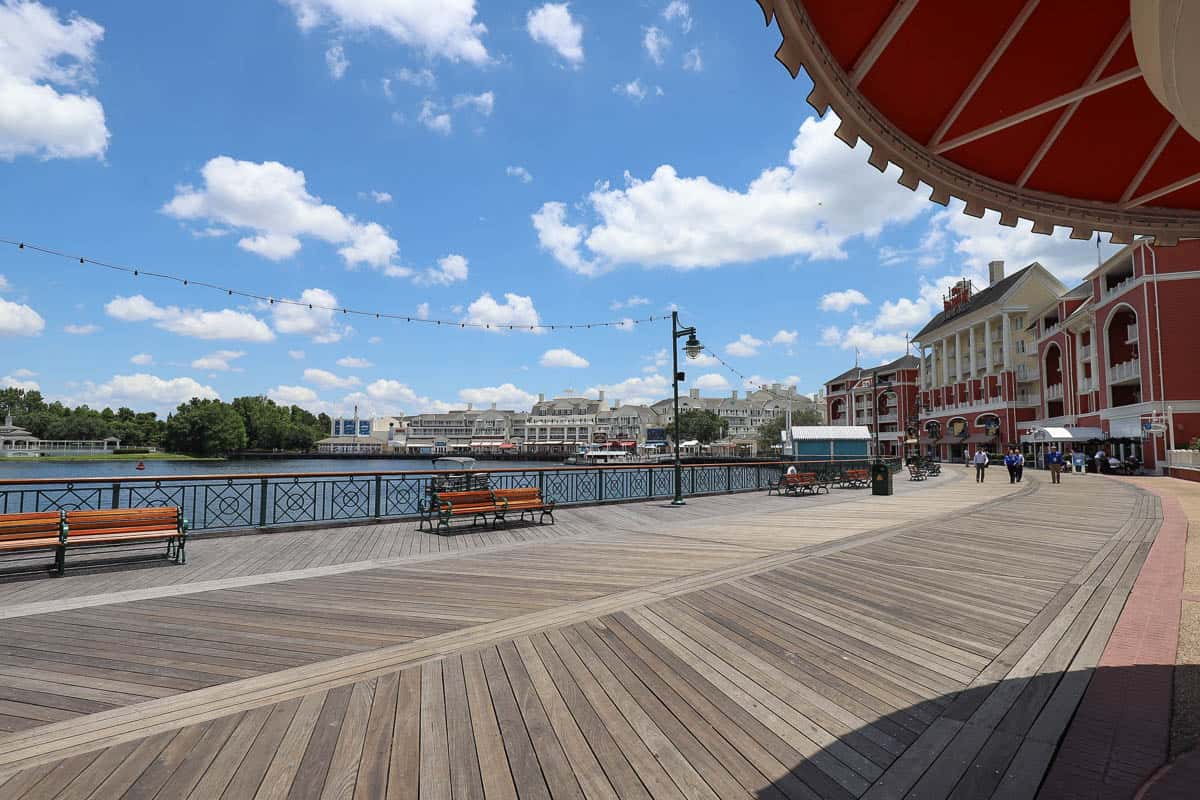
[(694, 394), (493, 406), (616, 403), (470, 406), (733, 395), (541, 397), (995, 272), (601, 397)]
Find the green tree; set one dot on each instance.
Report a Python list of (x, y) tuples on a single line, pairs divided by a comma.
[(769, 433), (702, 425), (205, 428)]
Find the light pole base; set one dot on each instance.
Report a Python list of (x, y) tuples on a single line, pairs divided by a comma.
[(678, 502)]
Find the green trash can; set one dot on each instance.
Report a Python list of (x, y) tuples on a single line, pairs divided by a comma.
[(881, 478)]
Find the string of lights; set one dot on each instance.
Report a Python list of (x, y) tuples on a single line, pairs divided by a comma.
[(746, 379), (138, 272)]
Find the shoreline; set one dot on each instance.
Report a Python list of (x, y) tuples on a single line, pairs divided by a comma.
[(108, 457)]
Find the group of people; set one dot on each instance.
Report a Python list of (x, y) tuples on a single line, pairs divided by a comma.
[(1014, 460)]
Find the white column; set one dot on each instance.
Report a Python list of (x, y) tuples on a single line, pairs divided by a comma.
[(1006, 334), (987, 344), (1095, 358), (971, 338), (945, 361)]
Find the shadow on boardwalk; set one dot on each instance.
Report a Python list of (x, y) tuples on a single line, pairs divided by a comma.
[(1098, 733)]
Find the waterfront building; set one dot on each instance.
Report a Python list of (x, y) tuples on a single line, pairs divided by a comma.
[(828, 442), (979, 367), (887, 395), (363, 437), (744, 414), (16, 442), (1117, 351), (562, 425)]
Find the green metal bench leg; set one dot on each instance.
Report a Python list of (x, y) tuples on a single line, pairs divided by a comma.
[(60, 560)]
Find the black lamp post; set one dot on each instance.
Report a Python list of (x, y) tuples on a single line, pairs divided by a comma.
[(692, 348), (875, 384)]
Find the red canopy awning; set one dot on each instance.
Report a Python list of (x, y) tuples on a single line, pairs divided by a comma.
[(1035, 110)]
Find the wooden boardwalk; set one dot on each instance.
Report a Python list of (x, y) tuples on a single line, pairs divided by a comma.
[(930, 644)]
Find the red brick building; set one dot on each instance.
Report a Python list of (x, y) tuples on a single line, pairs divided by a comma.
[(1119, 351), (885, 395)]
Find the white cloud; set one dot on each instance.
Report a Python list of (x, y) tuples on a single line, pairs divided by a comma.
[(505, 396), (271, 199), (692, 61), (335, 59), (20, 379), (353, 362), (316, 318), (711, 380), (450, 269), (679, 10), (443, 28), (744, 346), (423, 311), (626, 325), (218, 361), (635, 391), (375, 340), (81, 330), (864, 339), (553, 26), (327, 380), (379, 197), (392, 396), (18, 319), (142, 359), (843, 300), (298, 355), (562, 357), (633, 90), (433, 117), (519, 172), (3, 283), (655, 42), (824, 196), (193, 322), (785, 337), (631, 302), (39, 56), (561, 239), (483, 103), (145, 391), (516, 311), (417, 77), (293, 396)]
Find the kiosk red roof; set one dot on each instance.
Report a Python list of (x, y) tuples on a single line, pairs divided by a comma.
[(1034, 109)]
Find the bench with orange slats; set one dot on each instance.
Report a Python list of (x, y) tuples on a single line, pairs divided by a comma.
[(127, 526), (478, 504), (32, 532), (525, 501), (856, 479)]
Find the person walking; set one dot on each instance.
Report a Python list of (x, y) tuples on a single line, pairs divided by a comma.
[(1010, 461), (981, 462), (1020, 465), (1054, 461), (1101, 461)]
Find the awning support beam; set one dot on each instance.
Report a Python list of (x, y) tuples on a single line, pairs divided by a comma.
[(1082, 92), (881, 39)]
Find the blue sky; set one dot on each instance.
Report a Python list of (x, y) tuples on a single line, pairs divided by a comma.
[(506, 162)]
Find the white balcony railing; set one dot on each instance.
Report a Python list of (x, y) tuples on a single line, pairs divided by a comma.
[(1029, 399), (1129, 370), (1118, 288), (1131, 334), (1085, 352), (888, 417), (1087, 386), (1054, 392), (1027, 374)]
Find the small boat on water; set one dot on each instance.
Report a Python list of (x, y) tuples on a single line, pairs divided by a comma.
[(140, 465)]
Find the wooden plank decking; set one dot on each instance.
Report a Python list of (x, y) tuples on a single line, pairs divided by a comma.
[(922, 645)]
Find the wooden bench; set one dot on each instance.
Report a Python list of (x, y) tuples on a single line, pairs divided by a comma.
[(25, 533), (798, 483), (856, 479), (126, 526), (478, 504), (525, 501), (917, 473)]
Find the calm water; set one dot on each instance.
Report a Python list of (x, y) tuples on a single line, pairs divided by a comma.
[(19, 468)]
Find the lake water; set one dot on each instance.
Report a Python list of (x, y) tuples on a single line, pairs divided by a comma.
[(22, 468)]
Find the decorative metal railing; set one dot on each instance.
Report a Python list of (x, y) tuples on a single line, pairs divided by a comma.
[(223, 502)]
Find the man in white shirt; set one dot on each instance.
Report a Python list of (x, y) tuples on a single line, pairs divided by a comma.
[(981, 462)]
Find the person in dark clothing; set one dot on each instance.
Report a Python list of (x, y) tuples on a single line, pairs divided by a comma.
[(1054, 462), (1020, 464), (1010, 461)]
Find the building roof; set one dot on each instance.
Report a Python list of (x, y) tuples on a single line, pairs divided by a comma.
[(856, 373), (975, 302), (943, 91), (805, 433)]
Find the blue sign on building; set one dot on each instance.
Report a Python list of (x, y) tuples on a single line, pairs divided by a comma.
[(364, 427)]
